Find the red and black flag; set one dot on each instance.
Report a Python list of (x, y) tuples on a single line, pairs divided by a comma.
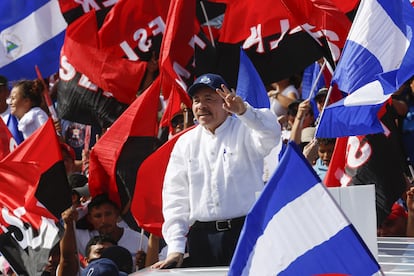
[(7, 142), (116, 156), (346, 6), (177, 57), (179, 34), (274, 42), (146, 204), (108, 55), (73, 9), (34, 193), (105, 51), (115, 74), (177, 101), (80, 100), (321, 18), (186, 51)]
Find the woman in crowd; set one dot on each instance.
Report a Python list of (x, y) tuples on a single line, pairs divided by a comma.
[(25, 103)]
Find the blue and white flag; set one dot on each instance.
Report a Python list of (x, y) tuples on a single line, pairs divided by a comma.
[(309, 77), (377, 59), (31, 33), (250, 86), (296, 228)]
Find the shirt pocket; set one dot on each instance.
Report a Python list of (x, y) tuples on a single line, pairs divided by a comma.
[(230, 161)]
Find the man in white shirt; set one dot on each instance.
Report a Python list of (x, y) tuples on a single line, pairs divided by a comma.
[(103, 217), (214, 173)]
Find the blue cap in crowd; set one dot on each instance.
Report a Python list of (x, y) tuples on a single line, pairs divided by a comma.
[(102, 267), (212, 81)]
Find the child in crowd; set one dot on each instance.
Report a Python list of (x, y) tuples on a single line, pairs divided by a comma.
[(325, 149)]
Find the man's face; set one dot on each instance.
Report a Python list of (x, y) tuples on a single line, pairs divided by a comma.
[(320, 102), (18, 105), (208, 108), (177, 124), (104, 218), (325, 153)]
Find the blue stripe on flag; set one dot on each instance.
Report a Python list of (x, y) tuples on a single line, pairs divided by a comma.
[(250, 86), (336, 255), (46, 56), (340, 121), (352, 73), (14, 130), (33, 34), (12, 11), (393, 9), (308, 79), (287, 223), (273, 198)]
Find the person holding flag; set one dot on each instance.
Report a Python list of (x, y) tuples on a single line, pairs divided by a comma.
[(214, 173)]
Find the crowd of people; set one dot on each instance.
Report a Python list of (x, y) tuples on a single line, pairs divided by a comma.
[(215, 174)]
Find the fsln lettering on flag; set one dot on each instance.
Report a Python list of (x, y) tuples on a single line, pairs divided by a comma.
[(295, 226)]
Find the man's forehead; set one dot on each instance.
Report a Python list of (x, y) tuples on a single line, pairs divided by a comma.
[(205, 91), (102, 244), (103, 206)]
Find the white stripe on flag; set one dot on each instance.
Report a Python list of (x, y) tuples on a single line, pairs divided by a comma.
[(369, 94), (374, 30), (285, 239), (31, 32)]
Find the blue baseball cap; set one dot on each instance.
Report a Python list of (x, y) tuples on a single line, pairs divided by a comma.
[(102, 267), (212, 81)]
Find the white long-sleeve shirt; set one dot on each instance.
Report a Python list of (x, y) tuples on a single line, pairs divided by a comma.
[(32, 120), (216, 176)]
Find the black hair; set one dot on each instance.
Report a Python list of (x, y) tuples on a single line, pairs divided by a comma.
[(292, 109), (100, 200), (120, 256), (32, 90), (98, 240), (77, 180), (326, 141)]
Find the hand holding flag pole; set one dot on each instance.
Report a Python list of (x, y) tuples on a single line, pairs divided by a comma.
[(49, 102), (315, 81), (295, 134)]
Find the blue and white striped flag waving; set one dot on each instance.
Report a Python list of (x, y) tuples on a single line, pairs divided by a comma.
[(296, 228), (377, 59), (31, 33), (250, 86)]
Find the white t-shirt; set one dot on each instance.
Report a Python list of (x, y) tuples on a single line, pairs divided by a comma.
[(32, 120), (276, 107), (131, 240)]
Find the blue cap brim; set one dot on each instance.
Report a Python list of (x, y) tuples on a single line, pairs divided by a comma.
[(197, 86)]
